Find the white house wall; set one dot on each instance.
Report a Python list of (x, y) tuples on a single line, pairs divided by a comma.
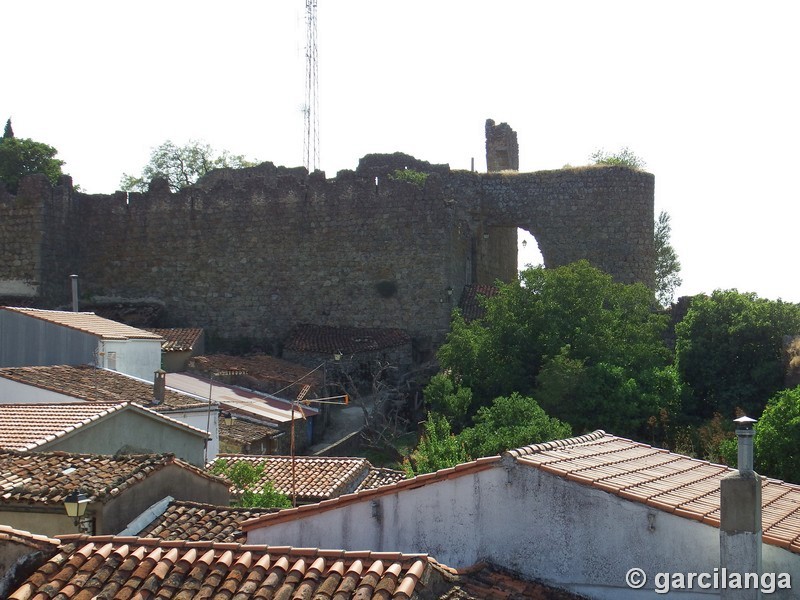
[(446, 520), (139, 358), (14, 392), (202, 419), (26, 342), (133, 433), (543, 526)]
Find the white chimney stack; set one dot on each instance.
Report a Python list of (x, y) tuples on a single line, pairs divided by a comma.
[(74, 279)]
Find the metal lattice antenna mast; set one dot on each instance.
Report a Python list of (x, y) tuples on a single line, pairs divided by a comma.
[(311, 109)]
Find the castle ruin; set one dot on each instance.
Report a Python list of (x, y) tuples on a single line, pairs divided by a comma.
[(250, 253)]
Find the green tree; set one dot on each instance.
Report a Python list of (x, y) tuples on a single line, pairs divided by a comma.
[(21, 156), (729, 350), (438, 448), (8, 132), (583, 345), (248, 483), (510, 422), (181, 165), (668, 266), (623, 158), (448, 399), (777, 438)]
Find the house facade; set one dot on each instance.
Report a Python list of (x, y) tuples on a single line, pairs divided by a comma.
[(577, 514), (98, 428), (67, 384), (118, 488), (179, 346), (31, 337)]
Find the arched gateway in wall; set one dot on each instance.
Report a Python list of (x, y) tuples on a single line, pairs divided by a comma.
[(250, 253)]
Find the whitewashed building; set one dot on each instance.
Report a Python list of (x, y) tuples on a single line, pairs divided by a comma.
[(577, 514), (33, 337)]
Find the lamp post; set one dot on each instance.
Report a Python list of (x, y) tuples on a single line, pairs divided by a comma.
[(75, 504)]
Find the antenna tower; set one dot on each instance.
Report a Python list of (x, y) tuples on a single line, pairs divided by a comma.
[(311, 109)]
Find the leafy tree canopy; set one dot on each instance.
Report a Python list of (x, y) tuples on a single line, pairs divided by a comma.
[(589, 350), (668, 266), (777, 438), (21, 156), (181, 165), (729, 350), (244, 477), (511, 422), (624, 158), (508, 422), (438, 448)]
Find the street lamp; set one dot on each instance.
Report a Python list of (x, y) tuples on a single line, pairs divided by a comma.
[(227, 418), (75, 504)]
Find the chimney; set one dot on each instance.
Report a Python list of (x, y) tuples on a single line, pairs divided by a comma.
[(159, 386), (74, 279), (740, 517)]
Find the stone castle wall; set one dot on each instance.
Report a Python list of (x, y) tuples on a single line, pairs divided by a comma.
[(252, 252)]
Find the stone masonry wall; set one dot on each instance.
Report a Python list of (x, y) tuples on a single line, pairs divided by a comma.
[(250, 253), (21, 231)]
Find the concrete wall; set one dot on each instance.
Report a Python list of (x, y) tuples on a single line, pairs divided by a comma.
[(13, 392), (316, 250), (133, 433), (173, 481), (138, 358), (27, 341), (43, 520), (545, 527), (204, 420)]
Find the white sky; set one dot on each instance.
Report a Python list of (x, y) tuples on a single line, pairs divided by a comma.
[(705, 92)]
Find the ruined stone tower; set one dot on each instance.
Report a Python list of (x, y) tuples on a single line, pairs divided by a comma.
[(502, 150)]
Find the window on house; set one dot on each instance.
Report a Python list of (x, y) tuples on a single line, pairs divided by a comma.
[(111, 361)]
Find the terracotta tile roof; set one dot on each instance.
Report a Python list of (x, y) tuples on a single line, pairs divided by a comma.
[(98, 385), (29, 426), (261, 367), (40, 542), (47, 477), (316, 477), (489, 582), (126, 567), (88, 323), (321, 339), (671, 482), (291, 514), (177, 339), (470, 303), (192, 521), (379, 476), (245, 432)]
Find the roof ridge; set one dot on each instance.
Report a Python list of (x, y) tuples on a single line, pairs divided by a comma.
[(551, 445), (82, 538), (8, 532)]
